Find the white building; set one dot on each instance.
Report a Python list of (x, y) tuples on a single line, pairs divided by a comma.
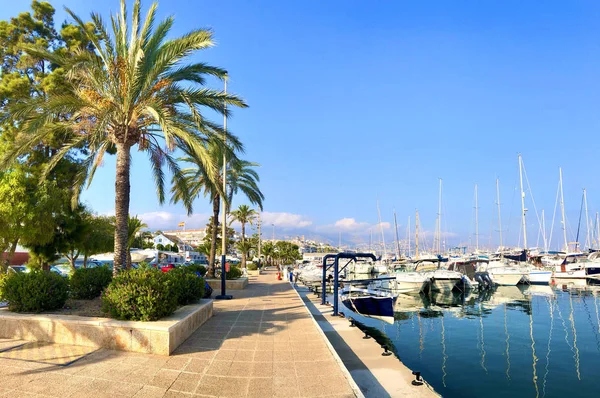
[(167, 239)]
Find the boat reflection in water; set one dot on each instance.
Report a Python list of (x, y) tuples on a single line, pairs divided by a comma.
[(526, 341)]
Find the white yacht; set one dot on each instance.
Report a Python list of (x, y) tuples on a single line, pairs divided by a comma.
[(503, 274)]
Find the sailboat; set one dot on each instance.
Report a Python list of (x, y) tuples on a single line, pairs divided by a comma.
[(573, 265)]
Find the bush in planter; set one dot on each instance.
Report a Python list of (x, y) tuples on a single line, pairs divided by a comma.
[(188, 285), (140, 295), (234, 272), (252, 267), (201, 269), (88, 283), (34, 291)]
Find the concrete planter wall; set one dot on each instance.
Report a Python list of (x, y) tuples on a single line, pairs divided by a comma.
[(161, 337), (231, 284)]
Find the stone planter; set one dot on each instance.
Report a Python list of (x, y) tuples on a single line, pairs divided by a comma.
[(231, 284), (160, 337)]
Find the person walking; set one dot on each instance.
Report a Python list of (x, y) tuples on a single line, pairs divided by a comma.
[(295, 274)]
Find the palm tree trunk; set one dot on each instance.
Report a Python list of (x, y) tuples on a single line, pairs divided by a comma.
[(213, 239), (244, 246), (122, 191)]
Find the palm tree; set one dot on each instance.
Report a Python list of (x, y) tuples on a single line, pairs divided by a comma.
[(133, 89), (244, 215), (244, 247), (134, 226), (268, 250), (241, 176)]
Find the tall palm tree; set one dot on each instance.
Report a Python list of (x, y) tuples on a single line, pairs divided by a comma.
[(244, 215), (241, 176), (134, 226), (133, 89)]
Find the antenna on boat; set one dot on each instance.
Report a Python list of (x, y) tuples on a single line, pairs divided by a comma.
[(523, 209)]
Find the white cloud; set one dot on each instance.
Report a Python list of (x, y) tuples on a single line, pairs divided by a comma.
[(352, 226), (285, 220)]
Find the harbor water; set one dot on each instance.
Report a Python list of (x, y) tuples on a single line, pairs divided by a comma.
[(525, 341)]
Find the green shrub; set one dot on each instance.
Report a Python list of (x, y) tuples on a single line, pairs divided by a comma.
[(252, 266), (196, 268), (88, 283), (34, 291), (188, 285), (140, 295), (234, 272)]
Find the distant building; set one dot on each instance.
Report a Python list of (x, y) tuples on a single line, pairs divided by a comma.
[(314, 257), (168, 239), (192, 237)]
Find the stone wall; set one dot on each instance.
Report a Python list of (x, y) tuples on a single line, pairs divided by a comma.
[(161, 337)]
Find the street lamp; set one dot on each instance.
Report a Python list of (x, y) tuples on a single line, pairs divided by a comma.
[(223, 295)]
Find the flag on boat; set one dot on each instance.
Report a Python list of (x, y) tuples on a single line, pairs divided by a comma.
[(181, 224)]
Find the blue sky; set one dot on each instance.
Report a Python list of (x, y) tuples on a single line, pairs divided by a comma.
[(353, 102)]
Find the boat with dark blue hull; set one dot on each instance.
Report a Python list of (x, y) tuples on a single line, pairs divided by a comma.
[(369, 302)]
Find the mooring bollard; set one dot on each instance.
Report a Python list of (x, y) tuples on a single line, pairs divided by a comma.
[(418, 381), (385, 353)]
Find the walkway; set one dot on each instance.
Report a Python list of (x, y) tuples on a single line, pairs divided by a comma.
[(261, 344)]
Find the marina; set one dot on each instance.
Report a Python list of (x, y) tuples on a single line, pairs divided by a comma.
[(537, 341)]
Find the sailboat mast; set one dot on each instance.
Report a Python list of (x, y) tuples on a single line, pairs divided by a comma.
[(408, 236), (417, 234), (562, 210), (439, 221), (397, 239), (382, 235), (370, 239), (498, 203), (597, 232), (476, 222), (523, 210), (544, 231), (588, 241)]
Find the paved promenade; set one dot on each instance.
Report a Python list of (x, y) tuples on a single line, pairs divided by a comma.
[(261, 344)]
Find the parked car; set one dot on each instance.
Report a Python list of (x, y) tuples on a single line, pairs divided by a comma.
[(167, 267), (61, 270), (16, 269)]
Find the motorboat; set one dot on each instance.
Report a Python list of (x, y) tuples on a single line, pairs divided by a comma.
[(369, 302), (503, 274), (473, 276), (402, 282), (537, 276), (443, 280), (578, 267)]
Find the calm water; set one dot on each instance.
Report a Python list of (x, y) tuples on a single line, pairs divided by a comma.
[(536, 341)]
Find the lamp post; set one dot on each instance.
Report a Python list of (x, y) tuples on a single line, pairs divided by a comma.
[(224, 295)]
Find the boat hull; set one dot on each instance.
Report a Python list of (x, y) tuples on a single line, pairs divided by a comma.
[(444, 285), (539, 277), (506, 279)]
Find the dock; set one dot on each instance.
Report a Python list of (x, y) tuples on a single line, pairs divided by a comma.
[(377, 376)]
